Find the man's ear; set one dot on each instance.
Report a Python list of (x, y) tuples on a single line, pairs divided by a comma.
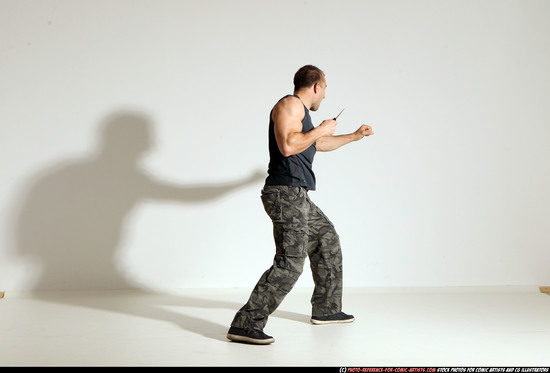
[(316, 87)]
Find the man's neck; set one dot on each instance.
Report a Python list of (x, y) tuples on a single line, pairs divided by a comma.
[(305, 98)]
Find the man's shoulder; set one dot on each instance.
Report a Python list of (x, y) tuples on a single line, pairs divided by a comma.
[(290, 100), (289, 104)]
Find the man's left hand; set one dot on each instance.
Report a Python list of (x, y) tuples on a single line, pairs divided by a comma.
[(363, 131)]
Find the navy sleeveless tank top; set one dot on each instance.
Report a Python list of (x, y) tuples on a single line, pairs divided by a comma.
[(296, 170)]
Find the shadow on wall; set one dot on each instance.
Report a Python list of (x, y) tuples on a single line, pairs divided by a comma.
[(73, 217), (72, 221)]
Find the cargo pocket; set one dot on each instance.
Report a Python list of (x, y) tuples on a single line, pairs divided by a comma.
[(291, 252)]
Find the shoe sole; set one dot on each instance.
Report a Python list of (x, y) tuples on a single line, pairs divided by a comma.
[(241, 338), (325, 322)]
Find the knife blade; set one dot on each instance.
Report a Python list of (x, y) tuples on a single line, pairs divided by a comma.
[(336, 117)]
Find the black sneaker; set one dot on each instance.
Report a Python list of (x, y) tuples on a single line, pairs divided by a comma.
[(337, 318), (249, 336)]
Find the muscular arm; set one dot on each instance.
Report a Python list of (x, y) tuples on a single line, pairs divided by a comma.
[(287, 116), (329, 143)]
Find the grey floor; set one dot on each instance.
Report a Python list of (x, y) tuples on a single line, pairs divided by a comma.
[(394, 327)]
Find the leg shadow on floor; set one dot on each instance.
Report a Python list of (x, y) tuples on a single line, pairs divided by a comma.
[(159, 306)]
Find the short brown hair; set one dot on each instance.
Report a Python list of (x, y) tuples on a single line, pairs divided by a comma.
[(307, 76)]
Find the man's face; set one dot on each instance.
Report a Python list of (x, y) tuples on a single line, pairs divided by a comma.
[(320, 89)]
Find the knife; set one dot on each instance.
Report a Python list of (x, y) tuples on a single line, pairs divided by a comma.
[(336, 117)]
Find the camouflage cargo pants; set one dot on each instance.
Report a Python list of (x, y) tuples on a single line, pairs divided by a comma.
[(300, 230)]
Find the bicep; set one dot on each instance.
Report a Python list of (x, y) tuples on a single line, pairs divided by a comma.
[(287, 119)]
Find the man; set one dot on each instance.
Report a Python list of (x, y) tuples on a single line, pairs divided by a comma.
[(300, 228)]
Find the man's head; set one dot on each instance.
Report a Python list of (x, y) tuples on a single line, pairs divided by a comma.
[(312, 80)]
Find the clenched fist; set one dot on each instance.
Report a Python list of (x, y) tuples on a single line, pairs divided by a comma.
[(363, 131)]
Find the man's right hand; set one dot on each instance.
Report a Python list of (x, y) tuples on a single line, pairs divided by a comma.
[(328, 127)]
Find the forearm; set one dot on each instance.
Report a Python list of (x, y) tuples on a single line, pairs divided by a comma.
[(330, 143), (298, 142)]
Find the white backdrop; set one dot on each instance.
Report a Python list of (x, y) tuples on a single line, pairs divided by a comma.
[(113, 112)]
